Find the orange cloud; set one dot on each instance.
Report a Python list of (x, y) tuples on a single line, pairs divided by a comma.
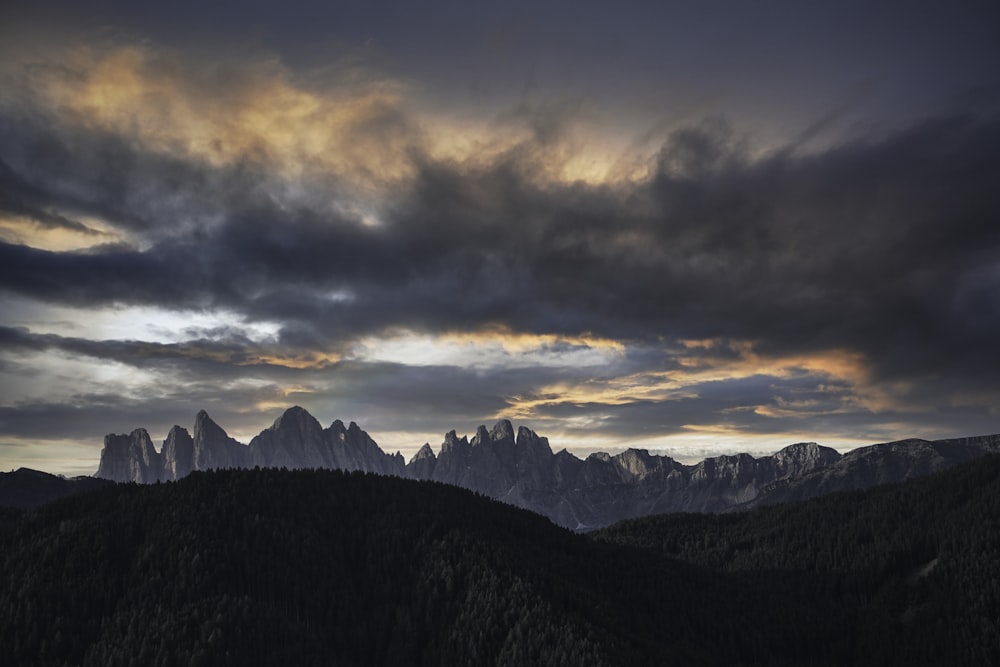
[(357, 126), (704, 362)]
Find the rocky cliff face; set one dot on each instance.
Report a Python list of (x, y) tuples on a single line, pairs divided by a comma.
[(213, 448), (885, 463), (295, 440), (522, 470), (130, 458), (177, 454), (602, 489)]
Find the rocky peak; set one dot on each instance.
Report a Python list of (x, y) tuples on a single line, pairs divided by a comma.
[(422, 465), (295, 416), (803, 457), (338, 430), (206, 428), (481, 437), (424, 452), (213, 448), (503, 430), (130, 458), (636, 463), (453, 442), (178, 454), (532, 449), (296, 421)]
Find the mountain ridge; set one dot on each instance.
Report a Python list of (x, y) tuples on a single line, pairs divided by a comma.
[(520, 468)]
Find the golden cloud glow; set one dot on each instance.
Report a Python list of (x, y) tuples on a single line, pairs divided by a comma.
[(228, 114), (246, 356), (359, 129), (517, 342), (702, 362), (727, 360), (23, 230)]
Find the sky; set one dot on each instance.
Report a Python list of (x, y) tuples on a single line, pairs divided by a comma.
[(694, 227)]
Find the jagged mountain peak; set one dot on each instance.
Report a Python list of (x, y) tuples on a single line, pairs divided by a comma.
[(204, 424), (424, 452), (526, 437), (502, 430), (521, 469), (451, 440), (297, 418), (481, 437)]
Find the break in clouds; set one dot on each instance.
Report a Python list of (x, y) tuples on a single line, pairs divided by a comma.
[(244, 237)]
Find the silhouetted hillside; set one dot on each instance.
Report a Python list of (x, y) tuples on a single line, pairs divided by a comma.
[(25, 488), (325, 567), (911, 569)]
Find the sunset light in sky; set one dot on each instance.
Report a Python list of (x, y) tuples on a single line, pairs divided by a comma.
[(701, 228)]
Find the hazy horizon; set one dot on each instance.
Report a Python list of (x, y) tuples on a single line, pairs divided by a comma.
[(685, 453)]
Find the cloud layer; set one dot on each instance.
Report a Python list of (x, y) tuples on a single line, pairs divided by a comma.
[(424, 270)]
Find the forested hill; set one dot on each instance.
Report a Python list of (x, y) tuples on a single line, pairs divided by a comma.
[(325, 567), (913, 569), (25, 488)]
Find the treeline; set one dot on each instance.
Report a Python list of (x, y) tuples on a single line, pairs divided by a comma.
[(325, 567), (910, 572), (333, 568)]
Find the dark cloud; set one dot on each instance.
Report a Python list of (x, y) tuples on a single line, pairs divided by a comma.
[(888, 247), (820, 213)]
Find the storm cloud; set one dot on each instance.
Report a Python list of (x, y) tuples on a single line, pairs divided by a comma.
[(695, 277)]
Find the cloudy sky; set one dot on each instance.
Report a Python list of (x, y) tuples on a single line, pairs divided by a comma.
[(706, 227)]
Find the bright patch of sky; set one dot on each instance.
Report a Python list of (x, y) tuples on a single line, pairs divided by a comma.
[(486, 351)]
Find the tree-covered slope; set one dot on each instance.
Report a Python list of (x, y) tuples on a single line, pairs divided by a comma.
[(910, 571), (25, 488), (326, 567)]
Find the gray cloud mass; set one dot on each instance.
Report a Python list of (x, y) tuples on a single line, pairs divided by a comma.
[(888, 247), (780, 221)]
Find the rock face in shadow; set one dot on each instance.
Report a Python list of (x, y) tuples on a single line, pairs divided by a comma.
[(520, 468), (602, 489), (178, 454), (213, 448), (875, 465), (130, 458), (295, 440)]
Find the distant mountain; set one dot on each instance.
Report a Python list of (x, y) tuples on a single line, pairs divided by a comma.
[(874, 465), (296, 440), (522, 470), (25, 488), (602, 489)]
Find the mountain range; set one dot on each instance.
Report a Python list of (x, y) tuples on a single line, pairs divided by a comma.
[(521, 469)]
